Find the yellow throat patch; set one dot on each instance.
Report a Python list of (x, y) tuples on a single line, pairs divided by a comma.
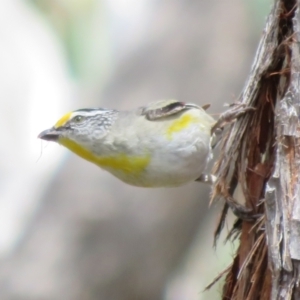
[(122, 162)]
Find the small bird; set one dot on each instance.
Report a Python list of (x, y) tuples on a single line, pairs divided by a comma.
[(164, 144)]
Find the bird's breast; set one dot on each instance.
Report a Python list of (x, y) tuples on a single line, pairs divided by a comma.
[(117, 162)]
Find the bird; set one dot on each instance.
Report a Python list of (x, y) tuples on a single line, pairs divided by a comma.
[(166, 143)]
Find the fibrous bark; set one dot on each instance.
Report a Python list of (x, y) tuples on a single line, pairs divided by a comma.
[(260, 158)]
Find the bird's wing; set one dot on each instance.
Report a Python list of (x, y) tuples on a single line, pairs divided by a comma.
[(161, 109)]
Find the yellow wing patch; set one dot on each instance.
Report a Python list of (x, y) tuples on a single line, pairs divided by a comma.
[(63, 120), (180, 124), (122, 162)]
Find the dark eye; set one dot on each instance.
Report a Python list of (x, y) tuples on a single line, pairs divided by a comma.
[(78, 119)]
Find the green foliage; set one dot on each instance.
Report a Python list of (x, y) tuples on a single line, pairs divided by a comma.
[(81, 27)]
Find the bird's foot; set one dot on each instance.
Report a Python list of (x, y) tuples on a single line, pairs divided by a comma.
[(235, 111), (206, 178), (242, 212)]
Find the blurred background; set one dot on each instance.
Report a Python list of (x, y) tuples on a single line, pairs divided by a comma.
[(69, 230)]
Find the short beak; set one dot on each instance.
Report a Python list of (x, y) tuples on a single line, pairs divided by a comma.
[(51, 135)]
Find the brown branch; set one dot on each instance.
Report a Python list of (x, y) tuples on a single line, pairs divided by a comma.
[(260, 155)]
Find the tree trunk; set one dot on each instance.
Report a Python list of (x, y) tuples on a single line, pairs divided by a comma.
[(260, 158)]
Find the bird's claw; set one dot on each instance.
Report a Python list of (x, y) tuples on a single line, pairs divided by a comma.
[(235, 111), (206, 178), (242, 212)]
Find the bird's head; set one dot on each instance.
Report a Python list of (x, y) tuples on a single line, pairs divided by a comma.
[(83, 127)]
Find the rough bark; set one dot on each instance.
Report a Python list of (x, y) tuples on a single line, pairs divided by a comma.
[(260, 163)]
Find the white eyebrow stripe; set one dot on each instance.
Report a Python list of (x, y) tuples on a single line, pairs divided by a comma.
[(89, 113)]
